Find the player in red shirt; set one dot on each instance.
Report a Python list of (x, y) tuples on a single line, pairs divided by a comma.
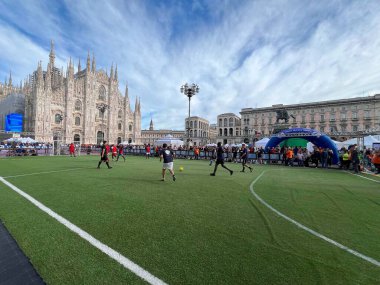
[(72, 149), (147, 151), (121, 152), (114, 151)]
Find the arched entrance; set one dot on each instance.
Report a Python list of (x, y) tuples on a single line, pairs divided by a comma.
[(77, 139), (99, 137), (118, 140), (317, 138)]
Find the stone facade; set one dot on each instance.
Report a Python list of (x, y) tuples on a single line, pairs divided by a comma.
[(199, 130), (151, 135), (340, 119), (68, 108), (229, 129)]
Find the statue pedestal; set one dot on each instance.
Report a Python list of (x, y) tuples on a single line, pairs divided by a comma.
[(278, 127)]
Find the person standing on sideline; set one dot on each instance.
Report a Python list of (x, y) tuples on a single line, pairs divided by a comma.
[(220, 159), (72, 149), (244, 158), (167, 155), (120, 152), (104, 154), (355, 158), (147, 151)]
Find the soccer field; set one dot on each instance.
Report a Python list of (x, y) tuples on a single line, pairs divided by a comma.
[(198, 229)]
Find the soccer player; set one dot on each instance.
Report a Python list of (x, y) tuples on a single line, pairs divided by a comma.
[(244, 158), (72, 149), (147, 151), (114, 151), (220, 159), (121, 152), (104, 154), (167, 155)]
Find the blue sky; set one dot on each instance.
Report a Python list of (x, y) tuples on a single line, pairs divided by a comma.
[(242, 53)]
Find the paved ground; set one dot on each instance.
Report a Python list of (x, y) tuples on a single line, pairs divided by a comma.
[(15, 267)]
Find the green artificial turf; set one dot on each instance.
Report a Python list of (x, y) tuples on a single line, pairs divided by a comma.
[(197, 230)]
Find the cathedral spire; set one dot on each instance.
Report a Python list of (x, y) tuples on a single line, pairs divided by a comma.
[(111, 75), (151, 127), (116, 73), (10, 78), (93, 63), (126, 91), (52, 54), (39, 74), (88, 62), (136, 105), (79, 67)]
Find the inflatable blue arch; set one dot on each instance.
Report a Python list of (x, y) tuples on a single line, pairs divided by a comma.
[(317, 138)]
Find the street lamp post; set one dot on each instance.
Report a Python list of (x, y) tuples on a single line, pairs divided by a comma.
[(102, 107), (189, 91)]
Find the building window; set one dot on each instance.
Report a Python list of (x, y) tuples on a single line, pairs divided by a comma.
[(191, 124), (231, 122), (343, 116), (367, 127), (343, 128), (102, 93), (220, 122), (225, 132), (120, 114), (220, 132), (225, 122), (322, 118), (366, 114), (355, 128), (78, 105), (237, 132), (58, 118), (130, 127), (332, 117), (77, 121), (195, 133), (119, 126), (354, 115)]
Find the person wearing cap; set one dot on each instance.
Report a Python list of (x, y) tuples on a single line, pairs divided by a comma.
[(244, 158)]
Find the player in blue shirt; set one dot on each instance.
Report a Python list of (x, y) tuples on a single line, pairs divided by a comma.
[(244, 158), (167, 155), (220, 159)]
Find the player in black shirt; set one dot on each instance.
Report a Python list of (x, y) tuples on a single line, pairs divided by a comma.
[(104, 155), (244, 158), (167, 155), (220, 159)]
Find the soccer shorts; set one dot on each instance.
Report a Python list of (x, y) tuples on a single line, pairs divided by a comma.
[(168, 165)]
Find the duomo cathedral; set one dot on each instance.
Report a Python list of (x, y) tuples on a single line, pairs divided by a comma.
[(84, 106)]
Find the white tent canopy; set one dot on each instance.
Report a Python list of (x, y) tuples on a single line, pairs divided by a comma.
[(310, 146), (21, 140), (169, 140), (368, 141), (262, 142)]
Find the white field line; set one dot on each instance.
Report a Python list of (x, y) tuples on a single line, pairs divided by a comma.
[(341, 246), (377, 181), (127, 263), (44, 172)]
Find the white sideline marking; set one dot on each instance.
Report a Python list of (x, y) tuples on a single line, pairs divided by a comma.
[(377, 181), (341, 246), (45, 172), (127, 263)]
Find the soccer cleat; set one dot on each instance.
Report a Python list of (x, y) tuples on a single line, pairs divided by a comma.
[(163, 179), (212, 174), (242, 171), (251, 169), (174, 178), (231, 172), (110, 167)]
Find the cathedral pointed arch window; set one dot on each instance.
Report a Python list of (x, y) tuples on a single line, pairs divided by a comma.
[(77, 121), (120, 114), (78, 105), (102, 93)]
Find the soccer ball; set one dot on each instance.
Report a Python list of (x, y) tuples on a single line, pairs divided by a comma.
[(181, 168)]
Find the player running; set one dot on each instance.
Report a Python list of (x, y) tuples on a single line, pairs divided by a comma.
[(114, 152), (220, 159), (104, 155), (167, 155), (244, 158), (120, 152), (147, 151)]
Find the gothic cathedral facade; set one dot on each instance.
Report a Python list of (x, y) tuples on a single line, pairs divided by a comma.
[(84, 107)]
